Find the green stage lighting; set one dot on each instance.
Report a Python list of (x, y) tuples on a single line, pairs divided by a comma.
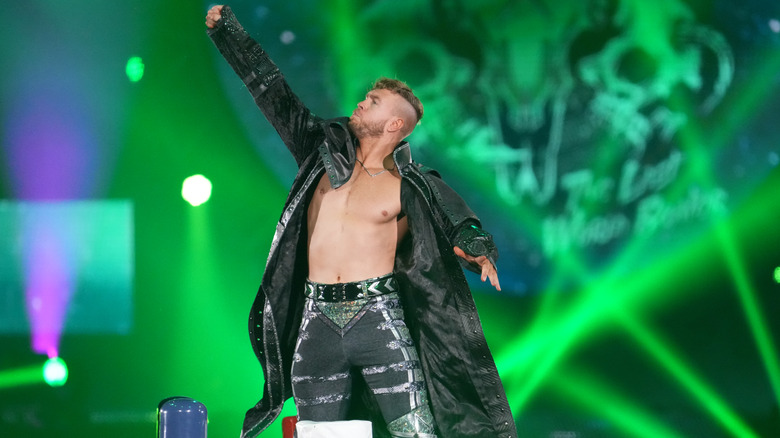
[(20, 376), (55, 372), (196, 190), (777, 275), (134, 69)]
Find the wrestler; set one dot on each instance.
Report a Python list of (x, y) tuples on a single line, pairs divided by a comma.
[(363, 310)]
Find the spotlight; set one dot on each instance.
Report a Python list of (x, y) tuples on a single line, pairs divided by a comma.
[(777, 275), (196, 190), (134, 69), (774, 24), (55, 372)]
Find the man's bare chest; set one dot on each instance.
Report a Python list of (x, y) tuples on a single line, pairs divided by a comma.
[(362, 198)]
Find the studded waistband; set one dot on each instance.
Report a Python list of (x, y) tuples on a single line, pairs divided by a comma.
[(352, 291)]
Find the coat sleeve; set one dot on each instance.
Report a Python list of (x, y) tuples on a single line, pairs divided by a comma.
[(298, 128), (462, 226)]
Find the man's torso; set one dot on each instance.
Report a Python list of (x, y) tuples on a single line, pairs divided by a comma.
[(354, 230)]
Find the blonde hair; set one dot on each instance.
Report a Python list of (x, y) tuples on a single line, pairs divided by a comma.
[(403, 90)]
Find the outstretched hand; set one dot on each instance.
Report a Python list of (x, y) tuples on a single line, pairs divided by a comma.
[(488, 270), (214, 15)]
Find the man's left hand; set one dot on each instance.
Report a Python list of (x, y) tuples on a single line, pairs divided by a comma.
[(488, 270)]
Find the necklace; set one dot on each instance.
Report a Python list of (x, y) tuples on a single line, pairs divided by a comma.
[(384, 164)]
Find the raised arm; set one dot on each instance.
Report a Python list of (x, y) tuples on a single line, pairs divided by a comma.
[(296, 125)]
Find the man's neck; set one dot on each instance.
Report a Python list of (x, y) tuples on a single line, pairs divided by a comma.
[(373, 150)]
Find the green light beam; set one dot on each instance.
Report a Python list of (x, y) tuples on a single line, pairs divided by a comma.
[(525, 346), (599, 398), (350, 53), (694, 139), (590, 314), (747, 297), (28, 375), (544, 355), (672, 363), (700, 171)]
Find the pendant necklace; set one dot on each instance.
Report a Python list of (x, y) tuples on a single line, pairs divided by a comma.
[(384, 164)]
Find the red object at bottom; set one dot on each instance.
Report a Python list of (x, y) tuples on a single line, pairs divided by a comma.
[(288, 427)]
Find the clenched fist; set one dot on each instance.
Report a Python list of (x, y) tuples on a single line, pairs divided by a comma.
[(213, 16)]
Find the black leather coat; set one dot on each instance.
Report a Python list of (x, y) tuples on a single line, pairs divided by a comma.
[(467, 397)]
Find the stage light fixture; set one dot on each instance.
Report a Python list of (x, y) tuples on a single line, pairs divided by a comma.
[(196, 190), (777, 275), (774, 24), (55, 371), (135, 69)]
